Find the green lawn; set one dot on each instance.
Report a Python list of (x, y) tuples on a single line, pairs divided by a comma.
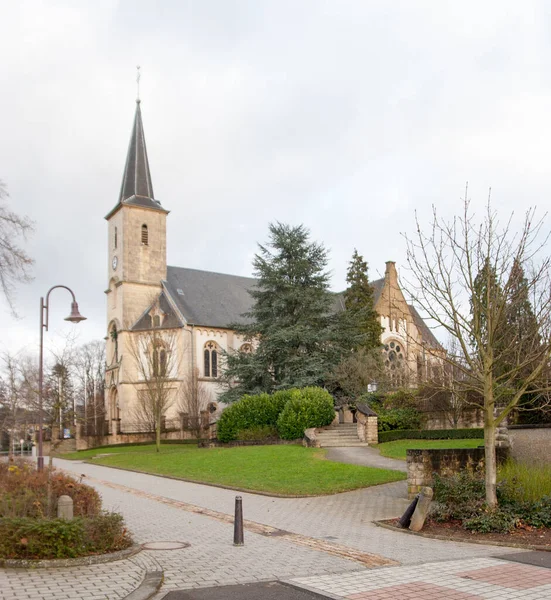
[(397, 449), (290, 470)]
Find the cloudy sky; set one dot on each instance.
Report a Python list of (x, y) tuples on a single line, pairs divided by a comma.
[(344, 115)]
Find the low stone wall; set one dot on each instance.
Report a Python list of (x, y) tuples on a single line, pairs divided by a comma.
[(469, 419), (422, 464), (531, 444), (310, 439), (85, 442)]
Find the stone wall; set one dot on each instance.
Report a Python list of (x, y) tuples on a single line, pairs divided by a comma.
[(368, 428), (438, 419), (531, 444), (85, 442), (422, 464)]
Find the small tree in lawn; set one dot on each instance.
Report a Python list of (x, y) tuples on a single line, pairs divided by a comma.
[(291, 326), (193, 398), (155, 356), (464, 280)]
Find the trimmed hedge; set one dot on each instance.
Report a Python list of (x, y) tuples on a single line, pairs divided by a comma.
[(308, 407), (431, 434)]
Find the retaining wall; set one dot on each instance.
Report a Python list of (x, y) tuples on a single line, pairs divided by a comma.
[(422, 464), (531, 444)]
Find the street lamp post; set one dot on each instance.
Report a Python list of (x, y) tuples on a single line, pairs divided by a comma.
[(74, 317)]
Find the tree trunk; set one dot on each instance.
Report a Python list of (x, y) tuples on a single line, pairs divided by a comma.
[(158, 433), (490, 455)]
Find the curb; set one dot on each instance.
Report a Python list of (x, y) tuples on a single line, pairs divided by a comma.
[(305, 588), (462, 541), (93, 559), (148, 587)]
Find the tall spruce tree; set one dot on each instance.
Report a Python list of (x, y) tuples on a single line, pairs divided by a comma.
[(291, 325), (360, 319)]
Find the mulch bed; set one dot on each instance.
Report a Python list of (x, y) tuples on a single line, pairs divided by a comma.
[(452, 530)]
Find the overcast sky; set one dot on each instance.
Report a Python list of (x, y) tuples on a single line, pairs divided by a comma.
[(346, 116)]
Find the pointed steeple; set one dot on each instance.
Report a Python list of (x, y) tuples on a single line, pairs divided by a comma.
[(137, 188), (136, 180)]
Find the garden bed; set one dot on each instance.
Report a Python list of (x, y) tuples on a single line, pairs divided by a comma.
[(523, 537), (29, 525)]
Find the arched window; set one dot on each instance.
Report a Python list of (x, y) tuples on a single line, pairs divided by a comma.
[(395, 362), (156, 321), (159, 361), (246, 348), (145, 236), (114, 335), (210, 355), (115, 241)]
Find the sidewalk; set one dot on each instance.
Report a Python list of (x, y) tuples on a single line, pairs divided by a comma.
[(327, 543)]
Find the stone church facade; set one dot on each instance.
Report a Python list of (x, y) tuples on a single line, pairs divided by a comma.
[(195, 308)]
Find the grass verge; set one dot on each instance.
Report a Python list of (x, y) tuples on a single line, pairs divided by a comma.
[(289, 470), (397, 449), (525, 483)]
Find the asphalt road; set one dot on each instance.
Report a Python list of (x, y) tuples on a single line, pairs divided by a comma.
[(271, 590)]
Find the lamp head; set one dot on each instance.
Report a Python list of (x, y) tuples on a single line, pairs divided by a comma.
[(75, 316)]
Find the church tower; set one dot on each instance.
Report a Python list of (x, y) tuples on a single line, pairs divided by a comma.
[(136, 254)]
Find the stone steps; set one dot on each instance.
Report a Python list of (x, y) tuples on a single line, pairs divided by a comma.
[(344, 435)]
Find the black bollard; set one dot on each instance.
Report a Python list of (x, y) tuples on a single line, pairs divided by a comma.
[(238, 539), (405, 520)]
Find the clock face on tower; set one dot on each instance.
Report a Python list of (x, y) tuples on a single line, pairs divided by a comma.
[(115, 262)]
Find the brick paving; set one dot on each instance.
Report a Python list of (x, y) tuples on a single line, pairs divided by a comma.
[(327, 544), (488, 578)]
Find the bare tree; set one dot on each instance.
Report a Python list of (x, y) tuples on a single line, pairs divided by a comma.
[(89, 375), (11, 399), (156, 359), (462, 279), (15, 263), (194, 397)]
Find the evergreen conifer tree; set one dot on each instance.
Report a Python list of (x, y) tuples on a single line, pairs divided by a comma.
[(360, 319), (291, 326)]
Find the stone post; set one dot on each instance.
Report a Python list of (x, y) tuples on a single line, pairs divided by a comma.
[(421, 510), (65, 508), (372, 433)]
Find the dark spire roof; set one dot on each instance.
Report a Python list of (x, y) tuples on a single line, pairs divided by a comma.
[(137, 188)]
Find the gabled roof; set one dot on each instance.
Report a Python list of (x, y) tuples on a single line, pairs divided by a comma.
[(170, 319), (137, 187), (220, 300), (427, 335), (210, 299)]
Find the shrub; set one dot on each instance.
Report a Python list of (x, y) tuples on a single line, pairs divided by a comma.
[(492, 521), (250, 412), (400, 399), (259, 433), (307, 407), (24, 492), (399, 418), (462, 497), (25, 537), (431, 434)]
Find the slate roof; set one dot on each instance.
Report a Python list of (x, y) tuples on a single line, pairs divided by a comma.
[(211, 299), (220, 300)]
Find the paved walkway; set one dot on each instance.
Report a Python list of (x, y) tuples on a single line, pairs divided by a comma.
[(367, 457), (325, 539)]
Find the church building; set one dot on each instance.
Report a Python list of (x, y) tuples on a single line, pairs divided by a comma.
[(195, 308)]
